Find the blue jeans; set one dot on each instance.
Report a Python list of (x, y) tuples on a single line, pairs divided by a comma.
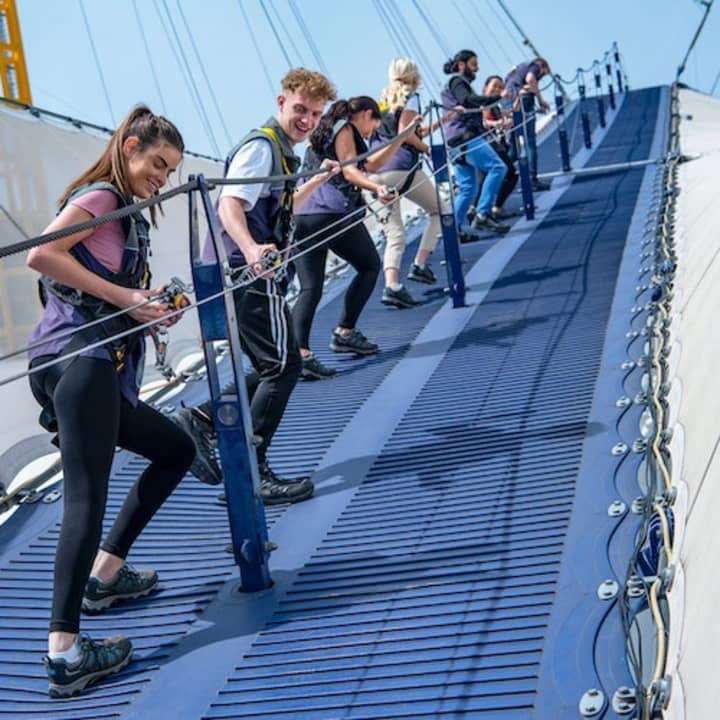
[(478, 155)]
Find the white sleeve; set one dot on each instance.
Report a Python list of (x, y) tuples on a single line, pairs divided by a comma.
[(254, 159)]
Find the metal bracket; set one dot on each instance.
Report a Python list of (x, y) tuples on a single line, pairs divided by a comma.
[(591, 703), (607, 589), (624, 700)]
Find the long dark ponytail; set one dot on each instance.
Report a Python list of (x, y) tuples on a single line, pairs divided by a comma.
[(451, 66), (340, 110)]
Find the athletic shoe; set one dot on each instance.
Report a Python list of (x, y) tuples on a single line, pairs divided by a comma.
[(465, 237), (275, 490), (313, 369), (97, 660), (398, 298), (422, 274), (540, 185), (128, 584), (487, 222), (204, 466), (355, 343), (503, 214)]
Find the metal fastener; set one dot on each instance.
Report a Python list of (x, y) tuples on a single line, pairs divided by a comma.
[(617, 508), (623, 402), (607, 590), (619, 448), (591, 703)]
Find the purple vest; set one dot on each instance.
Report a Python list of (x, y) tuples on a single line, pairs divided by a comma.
[(67, 309), (459, 127), (516, 78), (269, 221), (337, 196)]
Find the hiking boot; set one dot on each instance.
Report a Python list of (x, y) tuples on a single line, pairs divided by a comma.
[(355, 343), (128, 584), (204, 466), (540, 185), (464, 237), (422, 274), (503, 214), (313, 369), (97, 659), (275, 490), (487, 222), (398, 298)]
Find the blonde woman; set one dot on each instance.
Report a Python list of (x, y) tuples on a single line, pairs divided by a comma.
[(401, 105)]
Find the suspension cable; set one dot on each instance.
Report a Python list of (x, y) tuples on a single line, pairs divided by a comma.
[(475, 33), (511, 35), (308, 36), (200, 62), (395, 36), (432, 27), (287, 34), (148, 55), (97, 62), (475, 7), (280, 43), (258, 51)]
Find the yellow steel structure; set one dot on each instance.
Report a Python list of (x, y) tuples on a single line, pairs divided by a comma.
[(15, 83)]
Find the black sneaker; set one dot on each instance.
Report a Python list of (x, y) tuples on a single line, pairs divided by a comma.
[(97, 659), (313, 369), (465, 237), (422, 274), (355, 343), (204, 467), (275, 490), (128, 584), (503, 214), (540, 186), (487, 222), (398, 298)]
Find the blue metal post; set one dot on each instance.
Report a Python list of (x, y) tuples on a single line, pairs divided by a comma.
[(618, 73), (599, 95), (611, 90), (584, 117), (520, 141), (448, 225), (231, 410), (562, 132)]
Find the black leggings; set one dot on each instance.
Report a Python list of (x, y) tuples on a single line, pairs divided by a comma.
[(92, 419), (354, 245)]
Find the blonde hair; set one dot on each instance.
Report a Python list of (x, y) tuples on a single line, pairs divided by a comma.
[(310, 83), (403, 74)]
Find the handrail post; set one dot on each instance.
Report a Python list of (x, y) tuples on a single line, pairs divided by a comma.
[(519, 139), (562, 132), (611, 90), (618, 73), (448, 225), (231, 409), (584, 117), (599, 96)]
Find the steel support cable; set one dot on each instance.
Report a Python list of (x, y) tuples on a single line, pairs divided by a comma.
[(476, 35), (97, 62), (681, 68), (308, 36), (418, 50), (201, 64), (513, 39), (181, 61), (288, 35), (276, 34), (395, 38), (432, 27), (258, 51), (475, 7), (148, 55)]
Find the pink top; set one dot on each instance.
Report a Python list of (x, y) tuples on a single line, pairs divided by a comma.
[(107, 243)]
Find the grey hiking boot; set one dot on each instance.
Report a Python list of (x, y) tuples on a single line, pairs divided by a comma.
[(400, 298), (204, 467), (97, 660), (275, 490), (422, 274), (128, 584), (313, 369), (355, 343), (487, 222)]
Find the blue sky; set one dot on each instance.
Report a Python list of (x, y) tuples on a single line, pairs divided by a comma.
[(352, 41)]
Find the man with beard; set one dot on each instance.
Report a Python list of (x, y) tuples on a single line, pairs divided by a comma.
[(468, 148)]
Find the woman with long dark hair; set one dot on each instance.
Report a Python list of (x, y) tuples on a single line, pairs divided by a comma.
[(331, 219), (91, 400)]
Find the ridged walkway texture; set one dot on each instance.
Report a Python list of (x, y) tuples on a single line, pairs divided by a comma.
[(426, 577)]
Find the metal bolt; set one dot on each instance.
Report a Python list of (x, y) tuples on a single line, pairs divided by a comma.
[(607, 590), (617, 508), (52, 496), (591, 703), (631, 334), (623, 402), (627, 365), (619, 449), (639, 445)]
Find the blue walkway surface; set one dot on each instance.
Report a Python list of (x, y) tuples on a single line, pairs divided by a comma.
[(421, 582)]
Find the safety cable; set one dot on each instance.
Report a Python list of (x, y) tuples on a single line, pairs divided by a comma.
[(97, 61), (200, 62)]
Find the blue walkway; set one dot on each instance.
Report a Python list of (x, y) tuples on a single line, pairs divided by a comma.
[(422, 580)]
